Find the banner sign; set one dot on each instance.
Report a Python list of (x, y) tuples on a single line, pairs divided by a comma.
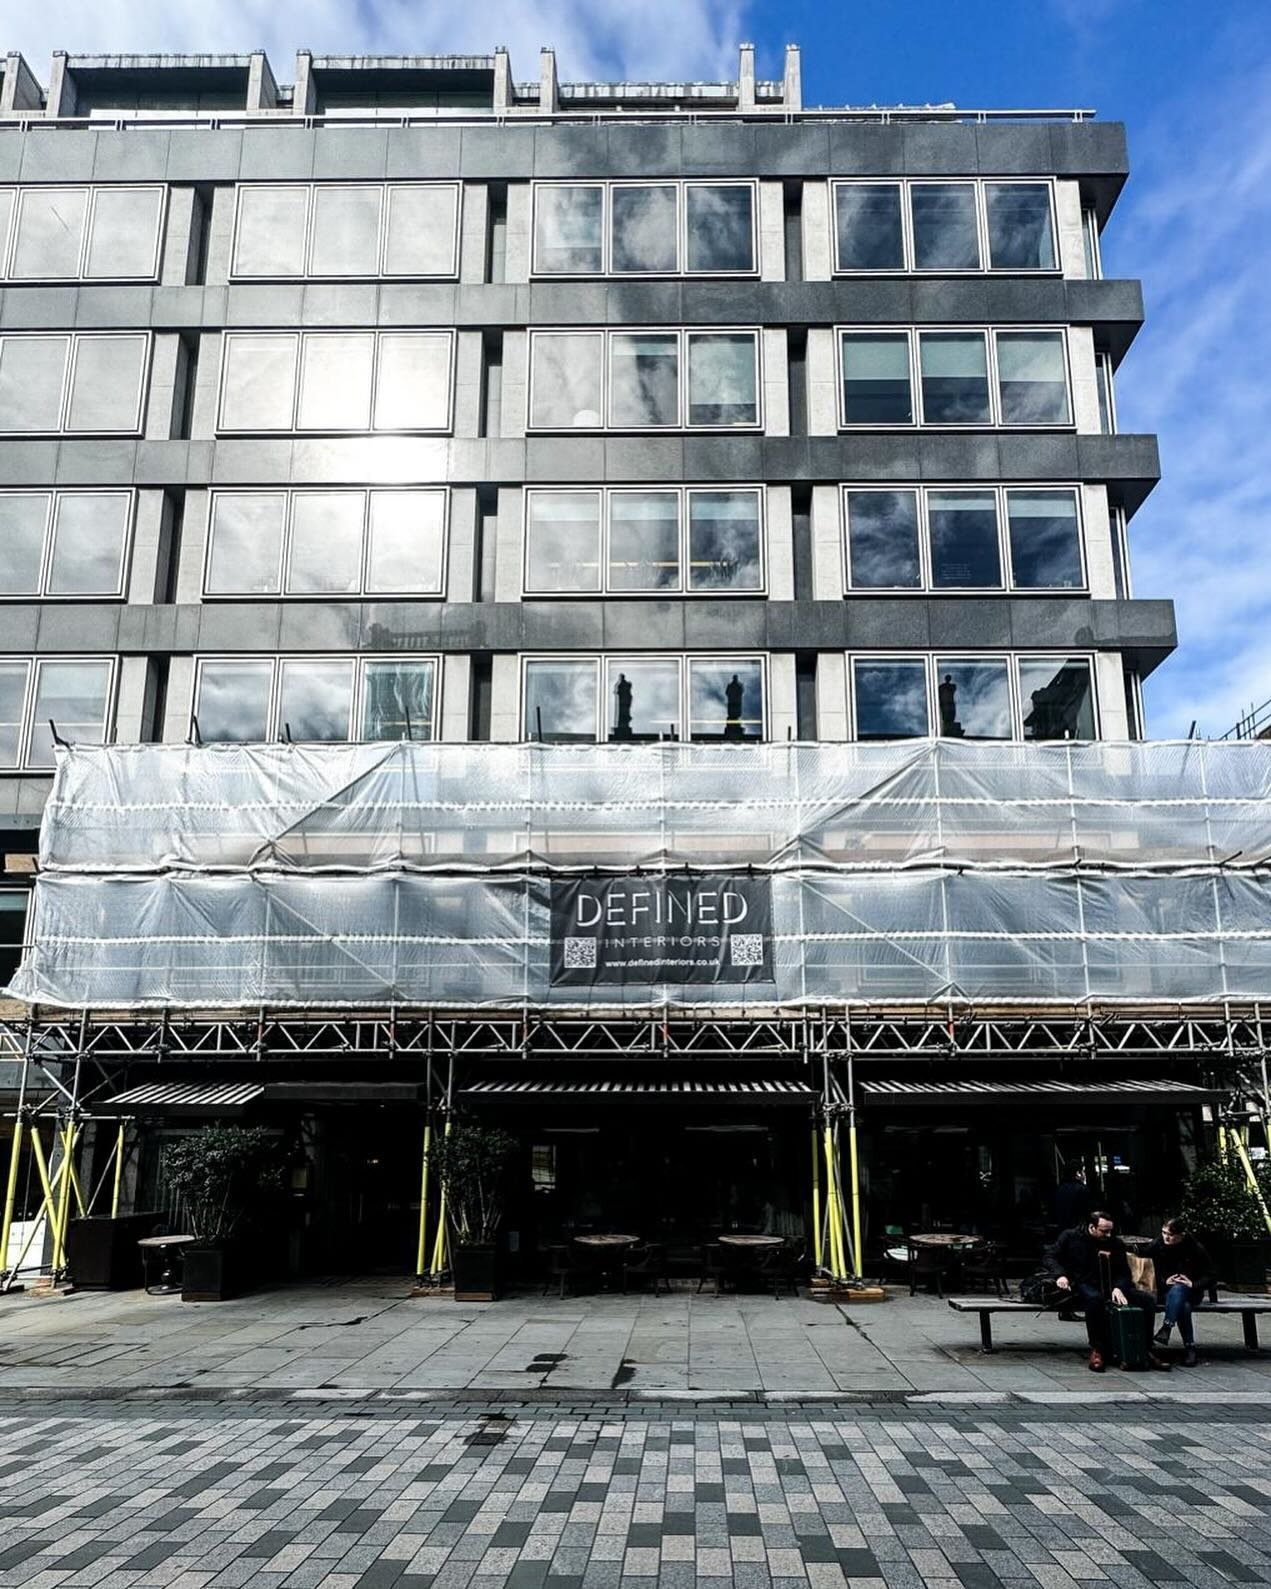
[(653, 929)]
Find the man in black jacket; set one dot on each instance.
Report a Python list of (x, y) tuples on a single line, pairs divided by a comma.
[(1183, 1274), (1074, 1260)]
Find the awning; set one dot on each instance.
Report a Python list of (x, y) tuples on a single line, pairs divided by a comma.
[(1130, 1089), (781, 1092), (182, 1098)]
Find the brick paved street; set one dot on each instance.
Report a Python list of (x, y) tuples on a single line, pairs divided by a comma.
[(182, 1495)]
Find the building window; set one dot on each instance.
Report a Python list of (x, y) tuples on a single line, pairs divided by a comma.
[(346, 230), (325, 543), (64, 543), (336, 382), (954, 378), (72, 384), (1107, 394), (937, 538), (944, 227), (246, 700), (643, 699), (645, 229), (644, 380), (655, 542), (973, 697), (69, 695), (1090, 245), (80, 234)]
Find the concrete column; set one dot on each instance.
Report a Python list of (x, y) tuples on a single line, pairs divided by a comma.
[(746, 77), (1085, 381), (831, 695), (827, 544), (147, 534), (818, 257), (262, 89), (779, 518), (467, 408), (206, 386), (456, 679), (19, 89), (188, 584), (164, 368), (783, 701), (505, 698), (776, 382), (474, 228), (61, 100), (792, 81), (1109, 683), (514, 406), (176, 237), (304, 101), (548, 86), (822, 368), (509, 545), (220, 235), (516, 266), (176, 717), (503, 90), (1070, 241), (135, 694), (772, 232), (1097, 528), (461, 544)]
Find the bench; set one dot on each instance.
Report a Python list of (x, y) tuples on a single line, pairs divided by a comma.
[(1247, 1307)]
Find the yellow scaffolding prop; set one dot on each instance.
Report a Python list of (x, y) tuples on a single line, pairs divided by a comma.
[(421, 1254), (816, 1199), (119, 1172), (439, 1253), (10, 1193)]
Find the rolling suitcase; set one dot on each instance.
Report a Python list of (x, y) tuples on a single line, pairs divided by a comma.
[(1128, 1329)]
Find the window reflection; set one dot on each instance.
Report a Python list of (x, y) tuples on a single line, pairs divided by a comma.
[(71, 697), (346, 231), (397, 700), (342, 225), (566, 380), (270, 237), (1045, 539), (258, 391), (724, 540), (890, 699), (726, 700), (335, 381), (955, 380), (644, 540), (722, 379), (246, 549), (719, 228), (973, 699), (1057, 697), (1032, 378), (315, 700), (568, 230), (50, 233), (406, 541), (882, 539), (876, 389), (412, 389), (644, 380), (326, 543), (89, 534), (106, 383), (563, 540), (644, 230), (421, 228), (560, 702), (23, 520), (964, 540), (869, 230), (13, 677), (123, 235), (644, 699), (232, 703), (32, 375), (1019, 226), (944, 226)]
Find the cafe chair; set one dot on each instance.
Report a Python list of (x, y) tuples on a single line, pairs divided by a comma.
[(984, 1266), (647, 1262), (778, 1266), (928, 1265), (562, 1270), (714, 1266)]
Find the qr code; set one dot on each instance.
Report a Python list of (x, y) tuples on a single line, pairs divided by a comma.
[(746, 948), (580, 954)]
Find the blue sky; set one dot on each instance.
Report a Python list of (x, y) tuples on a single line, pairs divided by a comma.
[(1193, 84)]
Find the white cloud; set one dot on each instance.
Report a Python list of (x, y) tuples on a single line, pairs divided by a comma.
[(659, 39)]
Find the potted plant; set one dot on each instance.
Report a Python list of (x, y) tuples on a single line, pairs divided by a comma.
[(470, 1162), (222, 1175), (1224, 1211)]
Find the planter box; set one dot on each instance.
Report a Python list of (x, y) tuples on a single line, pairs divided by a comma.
[(478, 1273), (102, 1253), (1241, 1262), (209, 1274)]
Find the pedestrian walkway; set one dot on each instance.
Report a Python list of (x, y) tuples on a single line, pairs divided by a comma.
[(352, 1337)]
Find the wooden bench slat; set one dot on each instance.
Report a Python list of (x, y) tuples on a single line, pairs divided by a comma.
[(1249, 1309)]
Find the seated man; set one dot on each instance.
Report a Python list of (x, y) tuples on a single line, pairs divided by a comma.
[(1074, 1262), (1183, 1273)]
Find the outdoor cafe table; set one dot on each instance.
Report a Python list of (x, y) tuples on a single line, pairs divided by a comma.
[(612, 1240), (751, 1241), (953, 1239)]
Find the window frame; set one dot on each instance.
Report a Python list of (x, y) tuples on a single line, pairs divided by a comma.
[(30, 693), (989, 334), (606, 334), (1001, 491), (683, 586), (73, 340), (1012, 658), (980, 185), (381, 249), (289, 495), (52, 494), (681, 185), (357, 699), (9, 241), (299, 337), (603, 661)]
